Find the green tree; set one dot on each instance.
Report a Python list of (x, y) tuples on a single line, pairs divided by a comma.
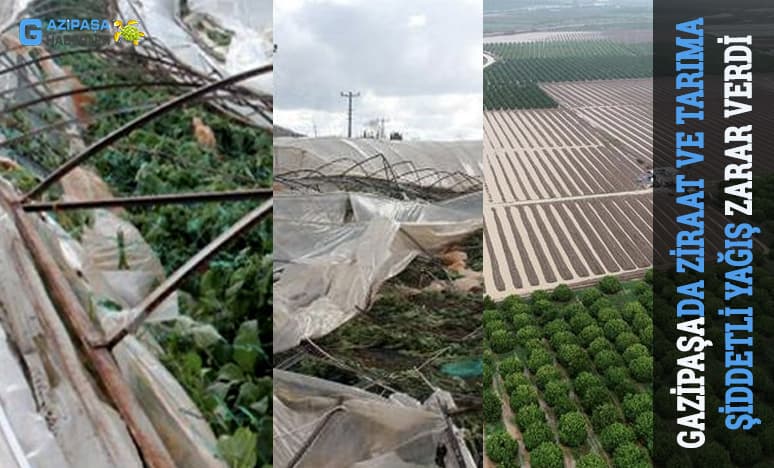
[(591, 460), (536, 435), (599, 344), (539, 358), (562, 293), (609, 285), (572, 429), (589, 334), (607, 359), (523, 395), (547, 455), (510, 365), (500, 447), (634, 351), (589, 296), (502, 341), (642, 369), (630, 455), (492, 406), (574, 358), (555, 391), (614, 328), (615, 435), (636, 404), (605, 415), (547, 373), (529, 415), (584, 381)]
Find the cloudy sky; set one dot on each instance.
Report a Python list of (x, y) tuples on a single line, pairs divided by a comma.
[(416, 63)]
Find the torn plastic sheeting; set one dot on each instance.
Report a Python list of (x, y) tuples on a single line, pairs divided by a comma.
[(28, 429), (335, 250), (92, 268), (292, 154), (171, 411), (10, 11), (88, 431), (252, 42), (175, 417), (368, 431)]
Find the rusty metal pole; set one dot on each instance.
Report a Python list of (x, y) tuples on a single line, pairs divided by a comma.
[(150, 445), (150, 200)]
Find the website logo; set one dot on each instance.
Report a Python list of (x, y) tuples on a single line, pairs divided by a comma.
[(129, 32), (89, 32), (30, 32)]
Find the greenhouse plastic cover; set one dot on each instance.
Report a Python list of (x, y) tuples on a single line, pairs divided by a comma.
[(332, 251), (250, 21), (291, 154), (366, 430), (86, 441)]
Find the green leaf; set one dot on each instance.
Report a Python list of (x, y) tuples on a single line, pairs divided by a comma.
[(247, 348), (231, 373), (239, 450), (248, 393)]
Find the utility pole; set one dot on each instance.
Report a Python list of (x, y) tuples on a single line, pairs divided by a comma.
[(349, 95)]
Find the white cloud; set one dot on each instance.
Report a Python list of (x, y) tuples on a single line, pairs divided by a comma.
[(416, 21), (422, 72)]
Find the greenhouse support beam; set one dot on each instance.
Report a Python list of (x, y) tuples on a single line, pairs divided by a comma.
[(151, 447), (150, 200), (149, 304)]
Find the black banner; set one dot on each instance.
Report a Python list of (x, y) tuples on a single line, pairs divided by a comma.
[(713, 231)]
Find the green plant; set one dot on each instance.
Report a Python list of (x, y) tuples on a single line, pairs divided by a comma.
[(529, 415), (642, 368), (572, 429), (615, 435), (523, 395), (635, 404), (562, 293), (500, 446), (536, 435), (605, 415), (630, 455), (591, 460), (547, 455), (492, 406), (610, 285)]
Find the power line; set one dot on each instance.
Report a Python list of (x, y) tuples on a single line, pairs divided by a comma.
[(349, 95)]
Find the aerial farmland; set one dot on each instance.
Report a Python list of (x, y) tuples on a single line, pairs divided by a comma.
[(568, 215), (568, 158)]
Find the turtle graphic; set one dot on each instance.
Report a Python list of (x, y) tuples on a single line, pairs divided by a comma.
[(129, 32)]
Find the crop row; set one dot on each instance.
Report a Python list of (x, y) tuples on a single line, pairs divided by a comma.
[(516, 96), (567, 49), (576, 373), (520, 66)]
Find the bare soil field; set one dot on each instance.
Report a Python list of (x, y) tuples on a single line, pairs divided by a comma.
[(565, 194)]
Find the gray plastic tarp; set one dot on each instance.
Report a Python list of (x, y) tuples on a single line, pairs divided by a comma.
[(334, 250), (337, 426)]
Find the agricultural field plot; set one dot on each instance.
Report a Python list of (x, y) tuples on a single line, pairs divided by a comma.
[(567, 378), (549, 154), (519, 66), (566, 194), (540, 36), (533, 246), (623, 108)]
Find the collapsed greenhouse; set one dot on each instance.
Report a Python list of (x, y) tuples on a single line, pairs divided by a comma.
[(135, 253), (352, 217)]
